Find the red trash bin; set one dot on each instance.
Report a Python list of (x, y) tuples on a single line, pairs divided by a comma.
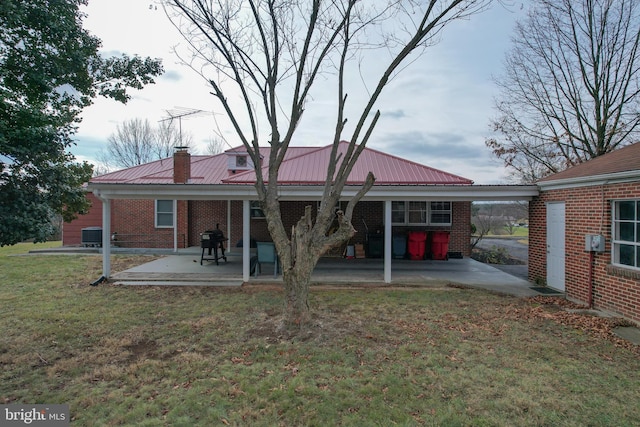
[(440, 245), (417, 243)]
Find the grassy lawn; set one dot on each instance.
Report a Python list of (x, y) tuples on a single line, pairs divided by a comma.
[(152, 356), (522, 232), (24, 248)]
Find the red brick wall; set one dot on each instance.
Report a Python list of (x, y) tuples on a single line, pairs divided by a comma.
[(134, 223), (587, 211), (72, 231), (203, 215)]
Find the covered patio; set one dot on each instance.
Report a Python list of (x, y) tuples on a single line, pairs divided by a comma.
[(183, 268), (386, 195)]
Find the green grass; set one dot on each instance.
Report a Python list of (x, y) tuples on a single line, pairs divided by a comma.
[(154, 356), (24, 248), (517, 232)]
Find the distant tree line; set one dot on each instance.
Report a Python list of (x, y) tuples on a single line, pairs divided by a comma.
[(498, 218)]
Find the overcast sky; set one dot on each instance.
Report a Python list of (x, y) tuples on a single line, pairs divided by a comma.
[(436, 112)]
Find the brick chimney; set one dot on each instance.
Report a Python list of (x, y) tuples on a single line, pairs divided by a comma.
[(181, 165)]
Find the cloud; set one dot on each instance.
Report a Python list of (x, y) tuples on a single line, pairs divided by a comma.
[(111, 53), (172, 75), (448, 151), (395, 114), (415, 143)]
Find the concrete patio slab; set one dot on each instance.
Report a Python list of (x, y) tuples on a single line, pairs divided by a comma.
[(185, 268)]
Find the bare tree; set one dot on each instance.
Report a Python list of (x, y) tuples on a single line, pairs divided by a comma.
[(136, 142), (571, 85), (130, 145), (167, 137), (100, 169), (215, 145), (484, 220), (263, 57)]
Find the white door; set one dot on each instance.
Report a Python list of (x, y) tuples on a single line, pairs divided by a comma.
[(555, 245)]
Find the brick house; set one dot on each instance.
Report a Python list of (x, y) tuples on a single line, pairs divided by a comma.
[(584, 232), (168, 203)]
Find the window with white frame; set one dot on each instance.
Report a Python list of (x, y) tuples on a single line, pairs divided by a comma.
[(417, 213), (164, 214), (440, 213), (420, 213), (626, 233), (398, 212), (256, 210)]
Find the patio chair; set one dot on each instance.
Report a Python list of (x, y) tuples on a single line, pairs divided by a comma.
[(266, 254)]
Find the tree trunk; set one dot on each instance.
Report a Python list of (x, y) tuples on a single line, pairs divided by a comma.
[(296, 285), (297, 275), (308, 243)]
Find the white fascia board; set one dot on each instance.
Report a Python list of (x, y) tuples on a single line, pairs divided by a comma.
[(174, 191), (312, 192), (453, 192), (588, 181)]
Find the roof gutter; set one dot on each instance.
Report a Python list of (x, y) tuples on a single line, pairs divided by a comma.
[(586, 181)]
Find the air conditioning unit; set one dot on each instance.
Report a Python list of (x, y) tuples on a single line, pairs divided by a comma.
[(92, 236)]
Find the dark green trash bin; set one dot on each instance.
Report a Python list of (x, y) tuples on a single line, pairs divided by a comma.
[(375, 246)]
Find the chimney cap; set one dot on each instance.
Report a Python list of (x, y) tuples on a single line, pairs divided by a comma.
[(180, 148)]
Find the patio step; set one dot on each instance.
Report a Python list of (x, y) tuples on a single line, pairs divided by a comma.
[(222, 283)]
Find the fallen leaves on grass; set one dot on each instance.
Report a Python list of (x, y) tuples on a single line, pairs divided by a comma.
[(555, 309)]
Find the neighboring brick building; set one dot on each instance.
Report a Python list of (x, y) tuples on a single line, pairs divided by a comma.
[(600, 197), (169, 202)]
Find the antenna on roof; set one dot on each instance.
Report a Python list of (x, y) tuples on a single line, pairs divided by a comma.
[(179, 113)]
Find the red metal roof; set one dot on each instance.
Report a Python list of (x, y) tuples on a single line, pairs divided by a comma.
[(624, 159), (302, 166)]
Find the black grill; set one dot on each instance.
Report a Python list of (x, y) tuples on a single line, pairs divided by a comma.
[(212, 240)]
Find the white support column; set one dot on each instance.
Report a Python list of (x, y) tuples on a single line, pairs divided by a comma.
[(387, 241), (175, 226), (106, 238), (246, 240), (229, 234)]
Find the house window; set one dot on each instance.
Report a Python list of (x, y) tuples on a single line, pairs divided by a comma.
[(398, 210), (440, 213), (421, 213), (417, 213), (256, 210), (164, 213), (626, 233)]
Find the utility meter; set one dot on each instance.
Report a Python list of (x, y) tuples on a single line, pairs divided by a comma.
[(594, 243)]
